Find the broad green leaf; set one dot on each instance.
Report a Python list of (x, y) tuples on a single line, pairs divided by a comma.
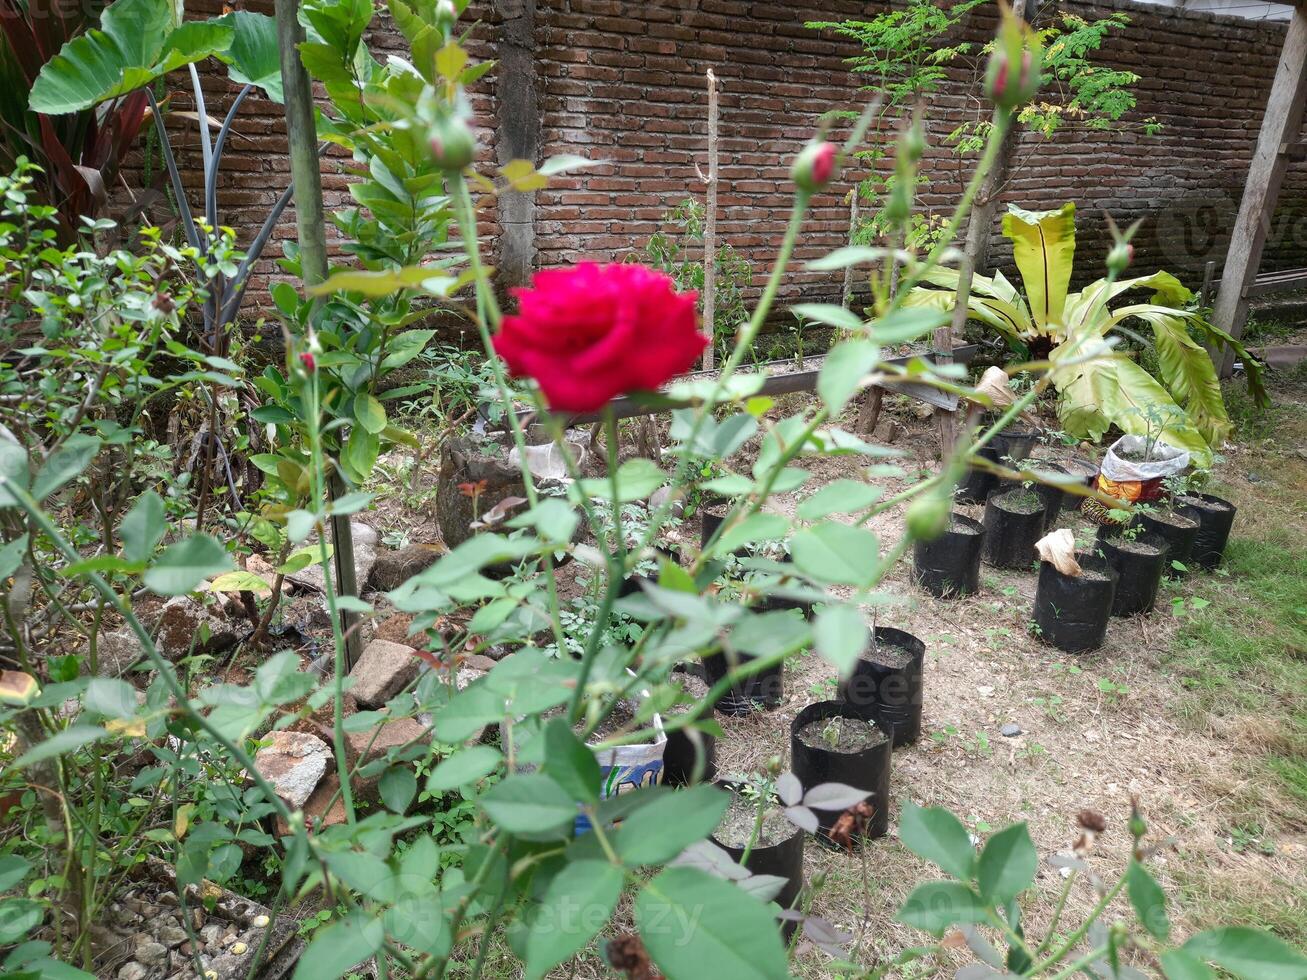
[(13, 869), (68, 740), (366, 873), (65, 464), (937, 835), (361, 450), (1179, 965), (843, 370), (1044, 248), (771, 634), (463, 767), (829, 314), (241, 581), (906, 325), (370, 413), (754, 528), (1250, 954), (11, 556), (184, 565), (450, 61), (1149, 901), (565, 162), (110, 697), (385, 282), (695, 925), (397, 788), (1007, 864), (837, 553), (838, 497), (143, 527), (936, 905), (570, 762), (530, 803), (658, 832), (553, 519), (636, 479), (18, 917), (575, 906), (253, 57), (339, 947), (14, 469), (840, 636)]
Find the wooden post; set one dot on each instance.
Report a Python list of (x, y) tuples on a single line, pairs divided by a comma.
[(517, 137), (853, 231), (1281, 126), (710, 230), (310, 223)]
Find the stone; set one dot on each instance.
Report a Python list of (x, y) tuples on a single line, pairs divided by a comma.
[(393, 568), (182, 624), (294, 763), (478, 661), (133, 971), (384, 669), (171, 935), (210, 934), (1010, 730), (152, 955), (887, 431), (116, 652), (383, 737), (325, 808), (660, 497), (365, 556)]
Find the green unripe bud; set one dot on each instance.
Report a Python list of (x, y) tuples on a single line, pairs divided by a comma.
[(1120, 257), (453, 147), (928, 515), (1013, 75), (913, 143)]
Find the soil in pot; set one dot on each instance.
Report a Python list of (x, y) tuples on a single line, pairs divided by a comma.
[(1014, 521), (949, 566), (1178, 527), (830, 742), (738, 822), (887, 683), (1139, 562), (1072, 611), (778, 851), (1215, 519), (687, 751)]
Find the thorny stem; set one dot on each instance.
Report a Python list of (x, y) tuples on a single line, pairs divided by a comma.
[(1056, 956), (1057, 914)]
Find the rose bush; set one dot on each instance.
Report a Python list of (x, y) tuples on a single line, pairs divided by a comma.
[(595, 331)]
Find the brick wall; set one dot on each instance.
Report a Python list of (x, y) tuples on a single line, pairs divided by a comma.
[(623, 81)]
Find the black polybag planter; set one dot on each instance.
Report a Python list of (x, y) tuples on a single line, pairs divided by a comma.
[(784, 860), (949, 566), (866, 770), (1214, 525), (764, 689), (1179, 539), (679, 758), (975, 484), (1138, 575), (1051, 496), (1072, 612), (889, 694), (1010, 536)]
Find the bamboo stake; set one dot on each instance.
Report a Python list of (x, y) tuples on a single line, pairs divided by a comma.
[(710, 229)]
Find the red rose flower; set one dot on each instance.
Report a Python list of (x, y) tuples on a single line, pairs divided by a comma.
[(592, 332)]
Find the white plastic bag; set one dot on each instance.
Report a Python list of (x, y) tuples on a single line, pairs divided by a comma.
[(1166, 461)]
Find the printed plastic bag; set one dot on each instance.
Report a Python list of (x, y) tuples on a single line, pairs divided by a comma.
[(1136, 482)]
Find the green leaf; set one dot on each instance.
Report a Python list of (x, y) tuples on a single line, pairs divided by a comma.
[(464, 767), (829, 314), (840, 636), (658, 832), (18, 917), (184, 565), (837, 553), (65, 464), (60, 743), (397, 788), (695, 925), (1007, 864), (754, 528), (361, 450), (339, 947), (570, 762), (1044, 248), (936, 905), (838, 497), (253, 57), (843, 370), (143, 527), (907, 325), (937, 835), (1149, 900), (1179, 965), (530, 804), (1251, 954), (11, 556), (370, 413), (553, 519), (14, 468), (575, 906), (13, 869), (636, 479), (110, 697)]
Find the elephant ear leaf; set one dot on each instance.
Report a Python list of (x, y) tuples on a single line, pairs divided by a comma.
[(1187, 371), (1044, 247), (253, 58), (137, 41)]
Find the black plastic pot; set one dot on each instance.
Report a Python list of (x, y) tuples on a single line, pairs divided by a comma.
[(1052, 497), (949, 566), (1010, 535), (680, 758), (866, 770), (976, 485), (890, 694), (784, 860), (1138, 574), (1179, 538), (1215, 518), (762, 690), (1072, 612)]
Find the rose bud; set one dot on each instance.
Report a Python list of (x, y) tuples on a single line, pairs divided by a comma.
[(814, 167), (1016, 46), (308, 363), (1119, 257), (453, 147), (446, 14)]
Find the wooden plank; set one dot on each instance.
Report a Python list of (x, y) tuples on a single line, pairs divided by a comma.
[(1281, 125), (1280, 282)]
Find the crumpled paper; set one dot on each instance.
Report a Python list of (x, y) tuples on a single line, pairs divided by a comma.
[(1058, 548)]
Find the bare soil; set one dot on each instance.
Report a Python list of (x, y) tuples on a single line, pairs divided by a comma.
[(737, 825), (844, 735)]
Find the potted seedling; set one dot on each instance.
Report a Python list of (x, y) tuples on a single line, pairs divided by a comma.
[(887, 682), (1074, 595), (1140, 559), (834, 742), (1176, 525), (948, 566), (1014, 521), (1215, 519)]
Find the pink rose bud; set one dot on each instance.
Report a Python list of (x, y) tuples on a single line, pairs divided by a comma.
[(452, 145), (307, 361), (815, 166)]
